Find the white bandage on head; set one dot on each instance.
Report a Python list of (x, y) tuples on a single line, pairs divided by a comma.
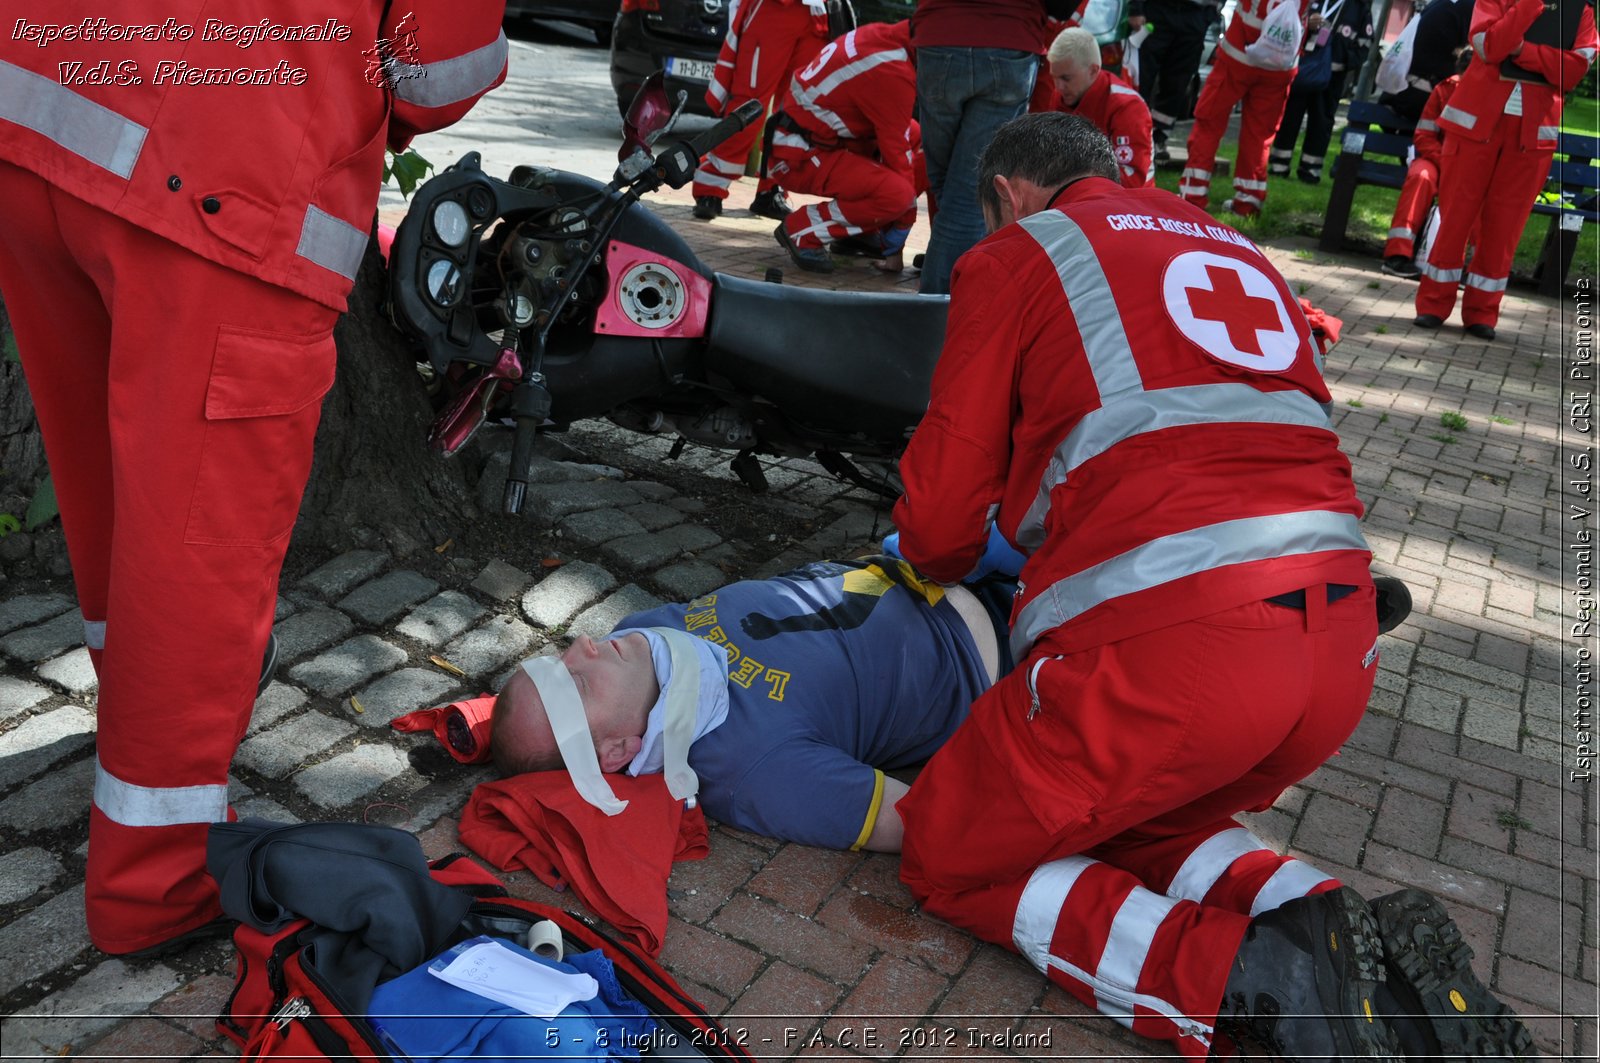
[(681, 703), (570, 725)]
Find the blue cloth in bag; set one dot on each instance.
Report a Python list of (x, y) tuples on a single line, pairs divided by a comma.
[(422, 1018)]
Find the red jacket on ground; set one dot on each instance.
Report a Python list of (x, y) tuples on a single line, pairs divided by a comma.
[(1113, 370), (1120, 113), (104, 118), (1497, 30)]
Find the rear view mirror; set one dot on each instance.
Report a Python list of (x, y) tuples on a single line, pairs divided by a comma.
[(649, 116)]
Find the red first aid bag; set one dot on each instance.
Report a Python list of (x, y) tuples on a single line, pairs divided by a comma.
[(281, 1008)]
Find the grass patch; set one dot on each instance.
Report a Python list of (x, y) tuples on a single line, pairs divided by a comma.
[(1382, 330), (1453, 420), (1446, 440), (1508, 820), (1357, 403), (1497, 419), (1582, 115)]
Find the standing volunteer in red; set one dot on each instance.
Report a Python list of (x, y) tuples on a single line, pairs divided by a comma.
[(175, 253), (1240, 74), (1500, 135), (1422, 180), (1086, 89), (1130, 394), (767, 41), (845, 131)]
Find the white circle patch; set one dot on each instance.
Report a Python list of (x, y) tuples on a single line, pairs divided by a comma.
[(1231, 310)]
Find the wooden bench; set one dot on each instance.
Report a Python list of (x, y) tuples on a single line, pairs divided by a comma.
[(1576, 174), (1369, 154)]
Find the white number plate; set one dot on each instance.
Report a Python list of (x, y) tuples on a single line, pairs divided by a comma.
[(698, 69)]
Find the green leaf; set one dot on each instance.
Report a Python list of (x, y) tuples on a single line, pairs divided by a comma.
[(43, 508), (407, 170), (11, 352)]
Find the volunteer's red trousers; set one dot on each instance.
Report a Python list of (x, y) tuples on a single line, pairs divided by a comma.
[(1490, 186), (777, 42), (178, 401), (867, 195), (1095, 837), (1416, 196), (1263, 94)]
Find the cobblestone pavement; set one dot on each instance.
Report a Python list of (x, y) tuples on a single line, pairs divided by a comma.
[(1454, 782)]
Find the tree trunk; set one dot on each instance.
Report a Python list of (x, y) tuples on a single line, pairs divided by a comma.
[(373, 482)]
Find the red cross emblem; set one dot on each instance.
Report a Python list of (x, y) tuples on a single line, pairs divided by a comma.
[(1231, 310)]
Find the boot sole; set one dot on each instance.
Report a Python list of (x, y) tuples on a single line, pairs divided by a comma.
[(1358, 953), (1424, 946)]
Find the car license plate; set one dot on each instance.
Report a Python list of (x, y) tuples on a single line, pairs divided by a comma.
[(697, 69)]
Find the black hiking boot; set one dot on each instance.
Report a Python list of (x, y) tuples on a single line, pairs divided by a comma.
[(1435, 1005), (1304, 980)]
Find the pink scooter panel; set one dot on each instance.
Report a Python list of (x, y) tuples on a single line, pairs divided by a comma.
[(652, 295)]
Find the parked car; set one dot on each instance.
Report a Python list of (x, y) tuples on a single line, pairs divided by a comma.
[(597, 15), (682, 38)]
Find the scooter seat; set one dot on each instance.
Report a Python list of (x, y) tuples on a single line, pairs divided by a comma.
[(854, 363)]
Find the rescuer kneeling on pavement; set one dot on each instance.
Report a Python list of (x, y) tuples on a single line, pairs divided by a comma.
[(1129, 393), (174, 257)]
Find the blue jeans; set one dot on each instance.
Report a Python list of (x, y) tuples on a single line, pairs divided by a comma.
[(963, 96)]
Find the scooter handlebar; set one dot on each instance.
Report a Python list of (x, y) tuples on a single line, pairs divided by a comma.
[(678, 163)]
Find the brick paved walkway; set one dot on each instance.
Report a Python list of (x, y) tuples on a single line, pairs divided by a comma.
[(1454, 781)]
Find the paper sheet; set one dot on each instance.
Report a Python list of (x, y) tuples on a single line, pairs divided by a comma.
[(491, 970)]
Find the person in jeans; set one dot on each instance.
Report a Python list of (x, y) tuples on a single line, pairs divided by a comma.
[(976, 62)]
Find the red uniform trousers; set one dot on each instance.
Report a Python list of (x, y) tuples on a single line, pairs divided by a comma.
[(1264, 94), (1416, 196), (1489, 186), (178, 400), (780, 40), (1066, 835), (867, 195)]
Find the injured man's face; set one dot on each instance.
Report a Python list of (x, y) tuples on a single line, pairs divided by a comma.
[(617, 683)]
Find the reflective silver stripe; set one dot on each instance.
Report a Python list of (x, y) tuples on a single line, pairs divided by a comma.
[(1400, 232), (808, 97), (1294, 879), (1549, 132), (1240, 197), (1162, 118), (704, 176), (1310, 160), (1254, 186), (1477, 45), (1443, 276), (1282, 154), (1039, 908), (1153, 411), (1251, 20), (790, 140), (1237, 55), (1088, 293), (1484, 284), (1123, 90), (1427, 125), (1587, 53), (1128, 945), (94, 634), (448, 81), (149, 806), (1420, 83), (1458, 116), (331, 243), (1187, 553), (717, 164), (1198, 175), (1033, 928), (1210, 860), (83, 127)]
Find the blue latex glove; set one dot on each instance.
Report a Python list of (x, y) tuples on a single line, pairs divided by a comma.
[(998, 556)]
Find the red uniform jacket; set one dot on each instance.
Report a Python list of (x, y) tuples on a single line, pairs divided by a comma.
[(741, 49), (1120, 113), (1130, 391), (861, 87), (105, 102), (1497, 29), (1428, 139), (1245, 27)]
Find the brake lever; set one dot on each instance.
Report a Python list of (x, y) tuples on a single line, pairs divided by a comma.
[(461, 418)]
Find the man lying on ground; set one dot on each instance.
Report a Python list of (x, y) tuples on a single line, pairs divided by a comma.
[(804, 690)]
